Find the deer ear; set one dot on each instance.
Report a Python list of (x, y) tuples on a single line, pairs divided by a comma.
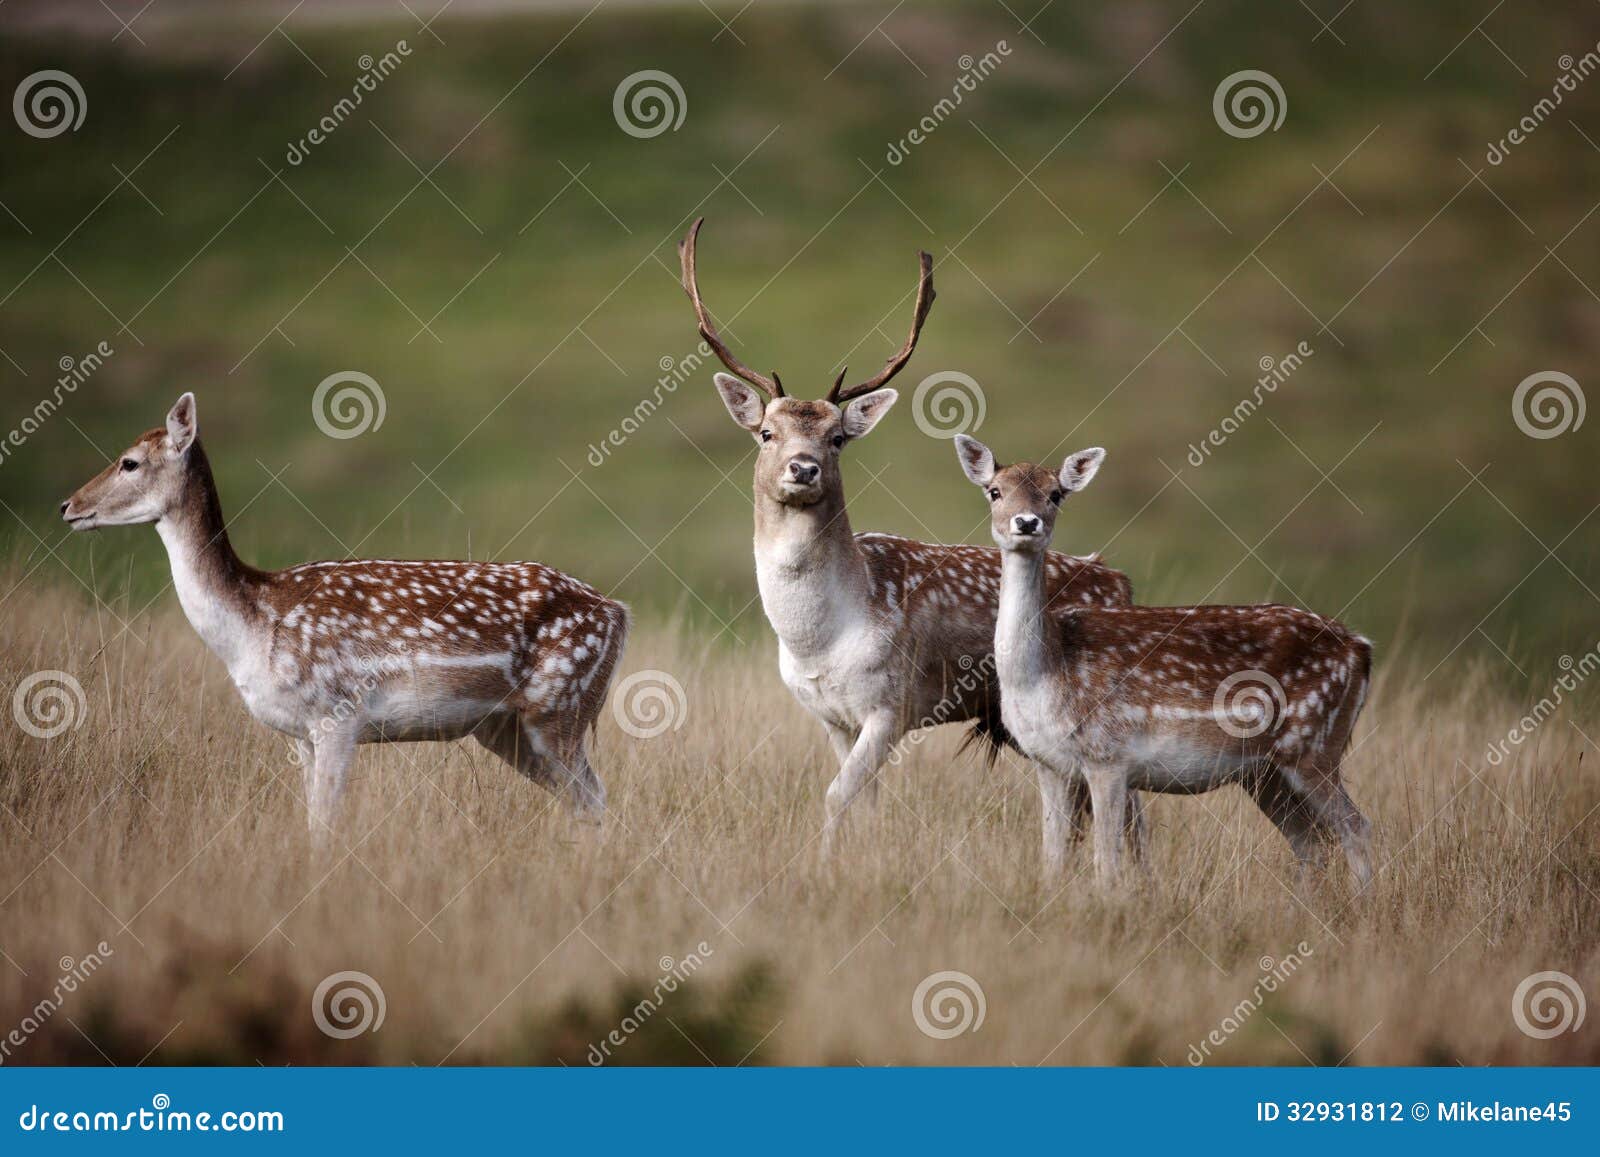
[(742, 401), (976, 459), (861, 415), (1079, 468), (182, 425)]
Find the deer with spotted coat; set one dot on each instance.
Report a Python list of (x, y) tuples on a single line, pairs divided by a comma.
[(335, 654), (879, 635), (1169, 699)]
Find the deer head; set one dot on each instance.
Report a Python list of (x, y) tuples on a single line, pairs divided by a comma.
[(1024, 499), (147, 480), (800, 441)]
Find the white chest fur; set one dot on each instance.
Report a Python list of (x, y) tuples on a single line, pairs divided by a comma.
[(832, 649), (232, 636)]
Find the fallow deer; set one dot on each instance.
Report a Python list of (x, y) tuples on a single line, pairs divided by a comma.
[(335, 654), (877, 635), (1169, 699)]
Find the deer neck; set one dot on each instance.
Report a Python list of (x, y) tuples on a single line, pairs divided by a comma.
[(213, 585), (812, 576), (1026, 646)]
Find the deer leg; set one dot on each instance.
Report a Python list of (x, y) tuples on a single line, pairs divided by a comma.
[(1137, 828), (1294, 814), (335, 750), (305, 757), (1059, 816), (586, 795), (1340, 817), (503, 736), (1108, 788), (1079, 807), (843, 741), (860, 768), (522, 744)]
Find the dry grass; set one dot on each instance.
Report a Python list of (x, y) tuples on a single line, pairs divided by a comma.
[(169, 825)]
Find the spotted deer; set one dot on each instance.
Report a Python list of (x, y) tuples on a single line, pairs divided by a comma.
[(877, 635), (1169, 699), (335, 654)]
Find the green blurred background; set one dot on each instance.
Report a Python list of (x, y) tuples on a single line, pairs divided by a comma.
[(1111, 268)]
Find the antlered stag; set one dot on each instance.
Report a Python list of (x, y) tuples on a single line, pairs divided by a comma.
[(877, 635)]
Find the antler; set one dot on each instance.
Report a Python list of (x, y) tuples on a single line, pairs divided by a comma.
[(772, 387), (925, 296)]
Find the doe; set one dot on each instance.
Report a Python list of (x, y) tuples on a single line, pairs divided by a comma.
[(335, 654), (1170, 699)]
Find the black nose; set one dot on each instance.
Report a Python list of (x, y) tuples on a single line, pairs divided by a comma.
[(1026, 524), (804, 471), (65, 504)]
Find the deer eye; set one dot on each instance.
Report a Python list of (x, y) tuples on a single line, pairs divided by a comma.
[(129, 465), (994, 494), (1055, 497), (838, 440), (766, 435)]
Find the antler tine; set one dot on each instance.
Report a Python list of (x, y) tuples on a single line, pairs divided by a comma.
[(769, 386), (894, 365)]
